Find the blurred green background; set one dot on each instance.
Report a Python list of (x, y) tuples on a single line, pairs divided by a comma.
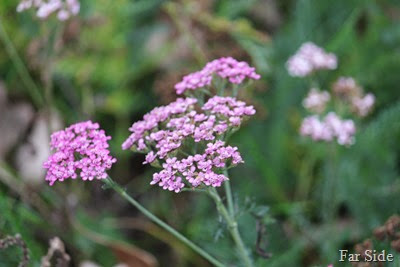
[(118, 59)]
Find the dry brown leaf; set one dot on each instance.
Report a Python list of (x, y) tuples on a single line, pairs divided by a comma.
[(126, 253), (132, 256)]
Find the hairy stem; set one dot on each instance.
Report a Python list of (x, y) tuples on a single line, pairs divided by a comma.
[(117, 188), (233, 228)]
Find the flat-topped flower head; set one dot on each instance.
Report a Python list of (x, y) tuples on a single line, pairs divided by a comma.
[(45, 8), (328, 129), (316, 100), (227, 68), (199, 169), (185, 138), (80, 150), (148, 130), (229, 109), (310, 58), (346, 88), (165, 129), (165, 133), (362, 106), (193, 81)]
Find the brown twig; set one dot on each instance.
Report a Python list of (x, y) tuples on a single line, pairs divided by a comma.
[(56, 251), (260, 228)]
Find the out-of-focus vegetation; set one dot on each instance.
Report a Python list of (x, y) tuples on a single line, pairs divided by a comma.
[(118, 59)]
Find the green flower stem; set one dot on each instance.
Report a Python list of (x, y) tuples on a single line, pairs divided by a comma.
[(117, 188), (329, 197), (232, 226), (228, 193), (235, 90)]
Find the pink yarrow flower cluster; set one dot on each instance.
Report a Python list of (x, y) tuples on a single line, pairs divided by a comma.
[(329, 129), (44, 8), (348, 90), (147, 131), (362, 106), (230, 108), (80, 150), (199, 169), (310, 58), (185, 138), (351, 96), (165, 128), (346, 87), (226, 67)]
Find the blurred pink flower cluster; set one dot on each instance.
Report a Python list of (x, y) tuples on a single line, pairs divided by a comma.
[(80, 150), (347, 97), (316, 100), (347, 89), (44, 8), (310, 58), (226, 67), (329, 129)]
